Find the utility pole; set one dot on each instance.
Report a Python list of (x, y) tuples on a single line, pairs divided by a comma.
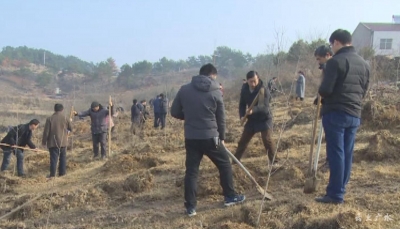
[(214, 57), (44, 58)]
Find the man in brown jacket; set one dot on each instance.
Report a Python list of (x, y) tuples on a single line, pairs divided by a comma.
[(55, 136)]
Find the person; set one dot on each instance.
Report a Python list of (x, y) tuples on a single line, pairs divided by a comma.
[(300, 86), (259, 118), (136, 113), (145, 113), (157, 108), (99, 127), (19, 136), (322, 54), (244, 81), (55, 137), (113, 117), (222, 89), (201, 106), (163, 109), (272, 87), (343, 88)]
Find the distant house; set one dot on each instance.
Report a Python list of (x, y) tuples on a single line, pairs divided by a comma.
[(383, 38)]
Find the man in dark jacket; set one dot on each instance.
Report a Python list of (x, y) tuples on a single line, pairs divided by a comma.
[(201, 106), (163, 109), (99, 127), (55, 137), (21, 136), (343, 88), (136, 113), (259, 118), (157, 108)]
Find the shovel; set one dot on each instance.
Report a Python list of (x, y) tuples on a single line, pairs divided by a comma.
[(259, 188), (311, 182)]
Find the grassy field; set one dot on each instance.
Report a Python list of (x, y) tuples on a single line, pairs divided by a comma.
[(141, 184)]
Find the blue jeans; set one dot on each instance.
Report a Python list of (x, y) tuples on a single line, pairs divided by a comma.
[(20, 160), (340, 133)]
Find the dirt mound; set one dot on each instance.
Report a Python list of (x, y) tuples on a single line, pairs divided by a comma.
[(139, 182), (81, 127), (293, 141), (382, 146), (231, 225), (300, 116), (292, 174), (7, 182), (57, 201), (345, 219), (375, 115), (128, 163)]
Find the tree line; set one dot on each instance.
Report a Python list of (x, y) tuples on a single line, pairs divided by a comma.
[(134, 75)]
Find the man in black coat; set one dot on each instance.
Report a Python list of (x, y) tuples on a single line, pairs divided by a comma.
[(21, 136), (136, 113), (343, 89), (259, 118)]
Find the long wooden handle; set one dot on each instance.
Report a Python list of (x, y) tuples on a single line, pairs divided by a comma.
[(310, 165), (259, 188), (109, 127), (251, 107), (20, 147)]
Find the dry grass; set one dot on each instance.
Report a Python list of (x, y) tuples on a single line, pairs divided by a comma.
[(141, 185)]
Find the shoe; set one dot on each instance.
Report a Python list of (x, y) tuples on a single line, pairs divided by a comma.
[(95, 157), (22, 175), (104, 158), (328, 200), (191, 212), (237, 199)]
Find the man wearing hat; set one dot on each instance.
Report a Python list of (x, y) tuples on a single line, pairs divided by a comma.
[(99, 127), (55, 137)]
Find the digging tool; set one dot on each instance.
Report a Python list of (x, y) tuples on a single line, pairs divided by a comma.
[(109, 127), (251, 106), (19, 147), (259, 188), (310, 185)]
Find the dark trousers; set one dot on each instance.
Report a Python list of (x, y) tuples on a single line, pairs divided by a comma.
[(266, 137), (58, 156), (20, 160), (156, 120), (340, 133), (195, 149), (100, 138), (163, 117)]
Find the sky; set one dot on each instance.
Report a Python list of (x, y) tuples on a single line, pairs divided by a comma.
[(135, 30)]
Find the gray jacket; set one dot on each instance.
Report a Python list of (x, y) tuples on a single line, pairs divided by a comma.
[(98, 118), (300, 86), (200, 104)]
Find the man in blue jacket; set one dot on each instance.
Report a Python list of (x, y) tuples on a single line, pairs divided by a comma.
[(99, 127), (201, 106), (343, 89)]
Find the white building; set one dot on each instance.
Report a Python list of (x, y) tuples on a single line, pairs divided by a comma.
[(384, 38)]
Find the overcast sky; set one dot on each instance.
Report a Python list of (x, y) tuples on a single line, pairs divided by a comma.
[(133, 30)]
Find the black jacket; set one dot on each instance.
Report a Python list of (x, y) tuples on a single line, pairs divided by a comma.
[(24, 137), (261, 118), (345, 82), (200, 104), (136, 110)]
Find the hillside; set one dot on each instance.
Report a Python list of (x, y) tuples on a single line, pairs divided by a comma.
[(141, 185)]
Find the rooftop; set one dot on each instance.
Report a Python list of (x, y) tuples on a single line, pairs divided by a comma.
[(382, 26)]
